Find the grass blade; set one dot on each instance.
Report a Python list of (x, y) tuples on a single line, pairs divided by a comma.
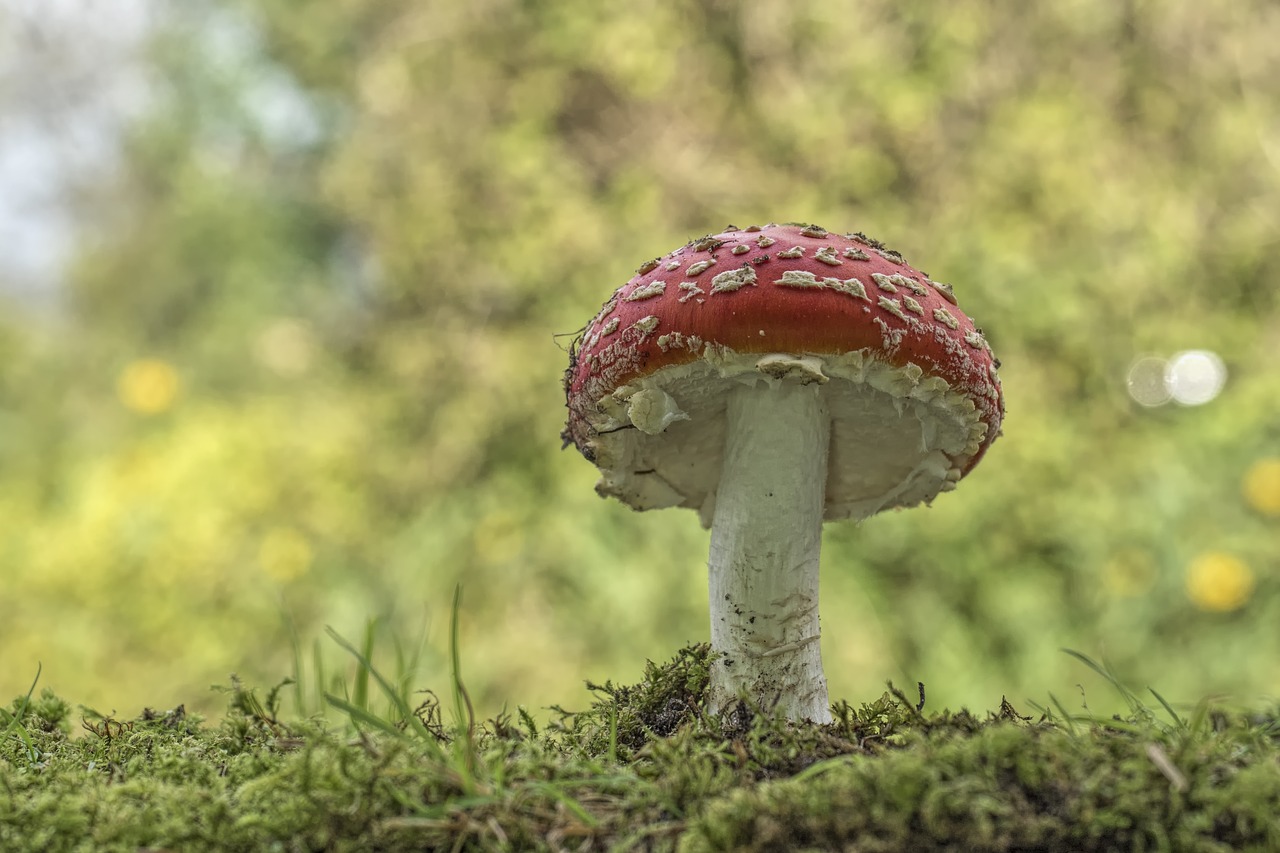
[(463, 711), (461, 699), (318, 673), (400, 705), (360, 693), (15, 723), (1134, 704), (367, 667), (1168, 709), (1066, 716), (299, 690), (360, 715)]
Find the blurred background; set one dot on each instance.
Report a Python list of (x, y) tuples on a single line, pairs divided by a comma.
[(281, 283)]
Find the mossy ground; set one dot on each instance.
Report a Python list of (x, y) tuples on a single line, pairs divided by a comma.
[(645, 768)]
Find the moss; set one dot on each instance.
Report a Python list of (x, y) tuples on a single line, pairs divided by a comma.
[(1009, 786), (643, 768)]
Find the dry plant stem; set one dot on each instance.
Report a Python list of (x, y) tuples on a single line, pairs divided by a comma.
[(766, 539)]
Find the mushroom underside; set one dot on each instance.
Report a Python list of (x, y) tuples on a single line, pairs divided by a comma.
[(898, 436)]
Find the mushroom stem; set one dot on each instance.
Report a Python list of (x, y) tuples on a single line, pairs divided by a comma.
[(766, 539)]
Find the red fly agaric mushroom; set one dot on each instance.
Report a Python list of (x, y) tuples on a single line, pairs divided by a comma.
[(771, 378)]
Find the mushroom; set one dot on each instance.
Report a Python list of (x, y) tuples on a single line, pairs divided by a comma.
[(771, 378)]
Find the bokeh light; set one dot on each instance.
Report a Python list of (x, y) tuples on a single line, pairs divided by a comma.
[(1262, 486), (1146, 381), (1191, 378), (1219, 582), (1195, 377), (148, 386)]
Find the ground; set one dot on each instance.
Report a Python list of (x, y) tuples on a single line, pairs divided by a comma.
[(644, 768)]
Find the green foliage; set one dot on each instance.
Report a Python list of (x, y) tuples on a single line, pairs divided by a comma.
[(307, 373)]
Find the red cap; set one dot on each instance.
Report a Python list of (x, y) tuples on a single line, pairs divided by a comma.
[(793, 289)]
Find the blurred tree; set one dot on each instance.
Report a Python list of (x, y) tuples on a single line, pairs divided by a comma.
[(350, 230)]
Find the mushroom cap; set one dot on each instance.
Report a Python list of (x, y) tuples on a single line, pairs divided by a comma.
[(911, 382)]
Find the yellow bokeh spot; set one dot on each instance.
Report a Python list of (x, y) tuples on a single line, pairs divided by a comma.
[(148, 386), (1219, 582), (285, 554), (1262, 486)]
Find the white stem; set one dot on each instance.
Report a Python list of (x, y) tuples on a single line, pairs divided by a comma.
[(766, 539)]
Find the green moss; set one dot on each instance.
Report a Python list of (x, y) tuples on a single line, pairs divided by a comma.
[(643, 768), (1014, 787)]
